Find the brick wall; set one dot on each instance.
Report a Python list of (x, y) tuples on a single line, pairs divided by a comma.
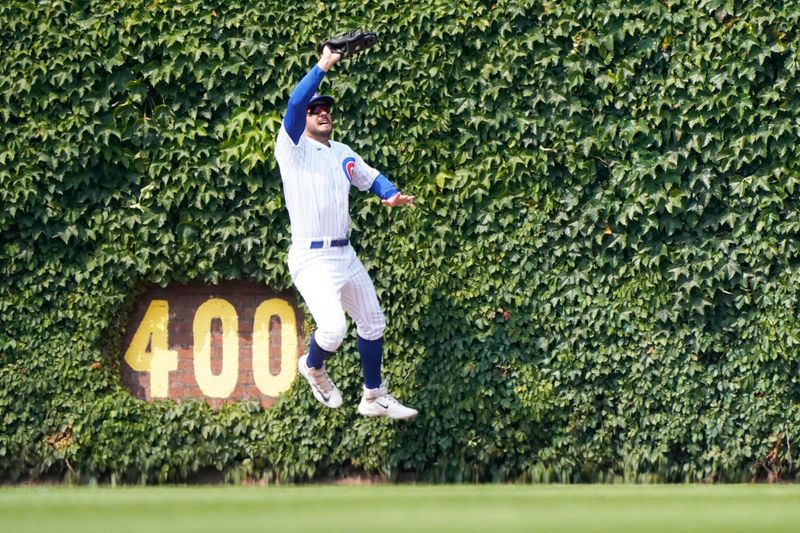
[(183, 302)]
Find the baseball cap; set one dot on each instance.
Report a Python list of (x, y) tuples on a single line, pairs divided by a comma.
[(321, 99)]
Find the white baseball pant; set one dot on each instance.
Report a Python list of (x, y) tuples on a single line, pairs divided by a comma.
[(333, 281)]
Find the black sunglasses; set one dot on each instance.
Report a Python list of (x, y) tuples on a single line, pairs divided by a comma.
[(315, 109)]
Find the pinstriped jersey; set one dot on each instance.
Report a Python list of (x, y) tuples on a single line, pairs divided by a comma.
[(316, 185)]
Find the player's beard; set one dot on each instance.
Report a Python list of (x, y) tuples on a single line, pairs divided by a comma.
[(320, 134)]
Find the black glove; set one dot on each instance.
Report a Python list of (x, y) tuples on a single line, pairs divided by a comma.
[(351, 43)]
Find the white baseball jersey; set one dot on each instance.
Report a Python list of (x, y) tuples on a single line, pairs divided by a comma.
[(316, 185)]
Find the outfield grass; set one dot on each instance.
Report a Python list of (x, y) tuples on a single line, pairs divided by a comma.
[(407, 508)]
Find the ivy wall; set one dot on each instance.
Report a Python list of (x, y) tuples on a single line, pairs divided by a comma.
[(599, 281)]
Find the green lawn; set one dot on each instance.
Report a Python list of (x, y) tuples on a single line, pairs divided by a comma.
[(407, 508)]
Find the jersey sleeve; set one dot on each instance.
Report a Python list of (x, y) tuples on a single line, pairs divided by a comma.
[(286, 151), (362, 175)]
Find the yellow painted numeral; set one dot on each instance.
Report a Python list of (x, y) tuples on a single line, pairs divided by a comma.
[(158, 360), (149, 350), (220, 386), (265, 381)]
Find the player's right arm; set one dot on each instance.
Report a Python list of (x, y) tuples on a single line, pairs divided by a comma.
[(294, 120)]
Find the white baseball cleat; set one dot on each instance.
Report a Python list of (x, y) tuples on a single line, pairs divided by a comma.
[(323, 388), (378, 402)]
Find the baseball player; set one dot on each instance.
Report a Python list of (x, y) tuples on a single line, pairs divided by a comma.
[(317, 174)]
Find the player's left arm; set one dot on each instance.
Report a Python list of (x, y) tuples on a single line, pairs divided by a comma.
[(365, 178), (294, 120)]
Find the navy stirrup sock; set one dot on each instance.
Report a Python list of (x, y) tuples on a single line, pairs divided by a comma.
[(371, 352), (316, 355)]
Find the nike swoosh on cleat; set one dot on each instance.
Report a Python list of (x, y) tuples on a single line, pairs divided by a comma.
[(384, 406), (325, 397)]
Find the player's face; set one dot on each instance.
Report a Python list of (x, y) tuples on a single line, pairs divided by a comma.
[(319, 120)]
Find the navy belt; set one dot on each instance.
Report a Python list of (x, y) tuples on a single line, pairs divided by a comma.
[(334, 242)]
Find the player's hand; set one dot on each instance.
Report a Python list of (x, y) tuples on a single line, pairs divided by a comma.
[(328, 58), (398, 199)]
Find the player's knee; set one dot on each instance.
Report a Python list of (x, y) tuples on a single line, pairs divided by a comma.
[(330, 336), (373, 329)]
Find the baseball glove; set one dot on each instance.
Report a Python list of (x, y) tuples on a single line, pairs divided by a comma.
[(351, 43)]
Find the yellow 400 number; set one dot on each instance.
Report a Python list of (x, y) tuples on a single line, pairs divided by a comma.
[(149, 349)]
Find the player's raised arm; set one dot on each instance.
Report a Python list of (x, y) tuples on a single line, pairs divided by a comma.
[(295, 118)]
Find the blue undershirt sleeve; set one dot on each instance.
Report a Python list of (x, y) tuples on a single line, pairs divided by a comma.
[(295, 118), (383, 187)]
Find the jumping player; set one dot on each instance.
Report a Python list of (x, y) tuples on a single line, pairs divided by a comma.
[(317, 173)]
